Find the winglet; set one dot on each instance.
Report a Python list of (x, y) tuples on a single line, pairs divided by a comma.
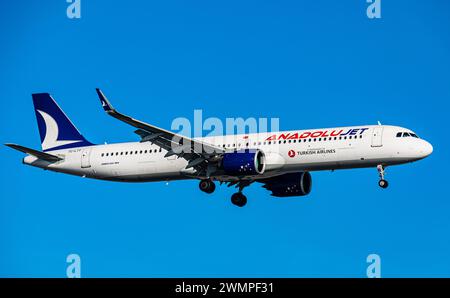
[(104, 101)]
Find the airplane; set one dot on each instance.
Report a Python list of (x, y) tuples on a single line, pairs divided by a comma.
[(281, 161)]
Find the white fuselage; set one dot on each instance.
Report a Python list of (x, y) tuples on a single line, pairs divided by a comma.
[(285, 152)]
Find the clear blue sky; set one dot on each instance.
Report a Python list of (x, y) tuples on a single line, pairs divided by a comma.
[(310, 63)]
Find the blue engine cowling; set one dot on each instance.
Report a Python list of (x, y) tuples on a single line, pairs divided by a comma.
[(244, 163), (289, 185)]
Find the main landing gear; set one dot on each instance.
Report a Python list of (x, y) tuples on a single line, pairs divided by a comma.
[(207, 186), (239, 199), (382, 183)]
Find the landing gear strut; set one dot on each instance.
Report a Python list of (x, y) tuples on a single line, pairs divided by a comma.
[(207, 186), (382, 183)]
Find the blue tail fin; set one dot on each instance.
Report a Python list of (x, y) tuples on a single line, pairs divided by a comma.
[(55, 128)]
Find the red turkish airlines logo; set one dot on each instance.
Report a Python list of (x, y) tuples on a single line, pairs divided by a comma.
[(291, 153)]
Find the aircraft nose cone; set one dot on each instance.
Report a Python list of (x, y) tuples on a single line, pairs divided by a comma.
[(427, 149)]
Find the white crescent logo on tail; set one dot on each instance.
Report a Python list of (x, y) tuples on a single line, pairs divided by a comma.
[(51, 133)]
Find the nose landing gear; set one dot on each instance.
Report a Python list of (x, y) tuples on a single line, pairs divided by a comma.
[(382, 183)]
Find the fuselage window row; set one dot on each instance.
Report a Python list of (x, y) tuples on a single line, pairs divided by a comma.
[(254, 144), (131, 152), (292, 141)]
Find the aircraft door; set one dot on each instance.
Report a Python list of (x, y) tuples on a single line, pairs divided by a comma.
[(86, 158), (377, 136)]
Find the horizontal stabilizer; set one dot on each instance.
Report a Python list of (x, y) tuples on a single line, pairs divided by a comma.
[(36, 153)]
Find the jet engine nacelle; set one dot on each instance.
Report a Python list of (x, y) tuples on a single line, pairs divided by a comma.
[(290, 185), (244, 163)]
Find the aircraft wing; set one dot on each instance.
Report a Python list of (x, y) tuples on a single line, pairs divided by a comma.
[(195, 151)]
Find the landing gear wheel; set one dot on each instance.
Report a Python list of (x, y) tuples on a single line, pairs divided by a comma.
[(239, 199), (207, 186), (383, 183)]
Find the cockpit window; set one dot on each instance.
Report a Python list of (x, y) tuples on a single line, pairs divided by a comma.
[(407, 134)]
